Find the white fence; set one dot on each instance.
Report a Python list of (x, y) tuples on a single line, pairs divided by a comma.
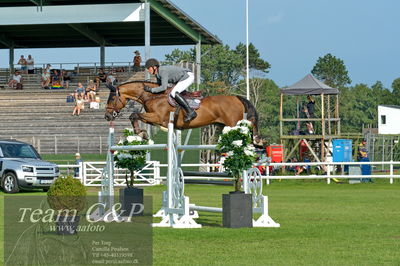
[(90, 172)]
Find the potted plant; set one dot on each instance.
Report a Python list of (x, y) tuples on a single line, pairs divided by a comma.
[(133, 161), (67, 196), (236, 145)]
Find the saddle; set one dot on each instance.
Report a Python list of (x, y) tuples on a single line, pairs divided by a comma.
[(193, 98)]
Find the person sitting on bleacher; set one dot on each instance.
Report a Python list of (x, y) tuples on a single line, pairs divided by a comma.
[(91, 91), (101, 76), (16, 80), (66, 78), (79, 91), (46, 77)]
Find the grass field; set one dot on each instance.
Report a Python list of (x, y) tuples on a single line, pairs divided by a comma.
[(337, 224)]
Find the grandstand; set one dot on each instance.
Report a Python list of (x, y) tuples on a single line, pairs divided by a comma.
[(43, 117)]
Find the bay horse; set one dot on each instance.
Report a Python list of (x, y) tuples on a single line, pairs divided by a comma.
[(219, 109)]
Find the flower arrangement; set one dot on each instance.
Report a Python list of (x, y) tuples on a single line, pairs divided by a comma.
[(236, 144), (132, 160)]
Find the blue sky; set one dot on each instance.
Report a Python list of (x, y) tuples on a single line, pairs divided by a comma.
[(289, 34)]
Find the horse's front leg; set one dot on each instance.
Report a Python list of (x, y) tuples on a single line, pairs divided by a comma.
[(148, 118), (134, 118)]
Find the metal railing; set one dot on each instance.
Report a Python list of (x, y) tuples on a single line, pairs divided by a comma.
[(90, 172)]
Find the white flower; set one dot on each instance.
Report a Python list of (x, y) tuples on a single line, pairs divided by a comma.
[(250, 147), (122, 156), (244, 122), (151, 142), (229, 153), (226, 129), (249, 152), (129, 129), (133, 138), (235, 128), (244, 130), (237, 143), (130, 138)]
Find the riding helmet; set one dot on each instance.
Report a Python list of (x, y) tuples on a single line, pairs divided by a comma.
[(151, 62)]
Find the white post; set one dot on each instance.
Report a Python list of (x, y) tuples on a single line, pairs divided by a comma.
[(55, 144), (328, 179), (245, 178), (147, 34), (391, 171), (247, 52), (170, 162), (198, 63)]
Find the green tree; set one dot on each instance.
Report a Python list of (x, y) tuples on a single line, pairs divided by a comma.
[(255, 61), (396, 91), (332, 71), (219, 63)]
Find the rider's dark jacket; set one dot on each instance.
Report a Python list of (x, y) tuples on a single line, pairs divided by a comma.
[(169, 75)]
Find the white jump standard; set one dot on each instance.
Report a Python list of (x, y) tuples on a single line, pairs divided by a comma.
[(176, 211)]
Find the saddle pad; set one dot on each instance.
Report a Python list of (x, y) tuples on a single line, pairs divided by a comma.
[(193, 103)]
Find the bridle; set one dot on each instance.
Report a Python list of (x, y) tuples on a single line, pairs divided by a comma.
[(116, 112)]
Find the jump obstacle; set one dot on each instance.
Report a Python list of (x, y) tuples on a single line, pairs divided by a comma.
[(176, 210)]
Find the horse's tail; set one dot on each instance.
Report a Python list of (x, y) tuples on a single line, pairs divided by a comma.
[(251, 112)]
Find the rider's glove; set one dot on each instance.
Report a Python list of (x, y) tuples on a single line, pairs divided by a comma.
[(147, 89)]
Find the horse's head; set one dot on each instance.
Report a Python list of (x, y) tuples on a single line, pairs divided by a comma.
[(115, 103)]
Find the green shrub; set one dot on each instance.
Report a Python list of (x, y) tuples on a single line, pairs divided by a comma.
[(67, 193)]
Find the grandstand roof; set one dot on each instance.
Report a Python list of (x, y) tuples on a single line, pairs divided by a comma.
[(44, 26)]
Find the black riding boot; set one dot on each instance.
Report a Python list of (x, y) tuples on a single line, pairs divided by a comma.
[(190, 113)]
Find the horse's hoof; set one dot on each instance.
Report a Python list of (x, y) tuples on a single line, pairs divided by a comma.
[(143, 134)]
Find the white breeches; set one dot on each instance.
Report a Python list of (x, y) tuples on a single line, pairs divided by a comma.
[(183, 85)]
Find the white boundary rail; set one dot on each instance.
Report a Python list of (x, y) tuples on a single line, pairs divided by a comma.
[(329, 175), (91, 172)]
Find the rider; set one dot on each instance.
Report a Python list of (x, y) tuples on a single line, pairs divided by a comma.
[(182, 77)]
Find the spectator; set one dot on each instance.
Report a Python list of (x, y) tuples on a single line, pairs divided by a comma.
[(137, 59), (46, 77), (79, 105), (16, 80), (362, 156), (55, 77), (78, 162), (310, 106), (300, 169), (91, 91), (30, 65), (22, 62), (66, 78), (120, 69), (292, 168), (101, 76), (111, 78), (79, 91)]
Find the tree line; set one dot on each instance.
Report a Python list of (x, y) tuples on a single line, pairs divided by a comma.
[(223, 71)]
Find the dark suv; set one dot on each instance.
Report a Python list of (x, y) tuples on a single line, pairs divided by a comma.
[(22, 168)]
